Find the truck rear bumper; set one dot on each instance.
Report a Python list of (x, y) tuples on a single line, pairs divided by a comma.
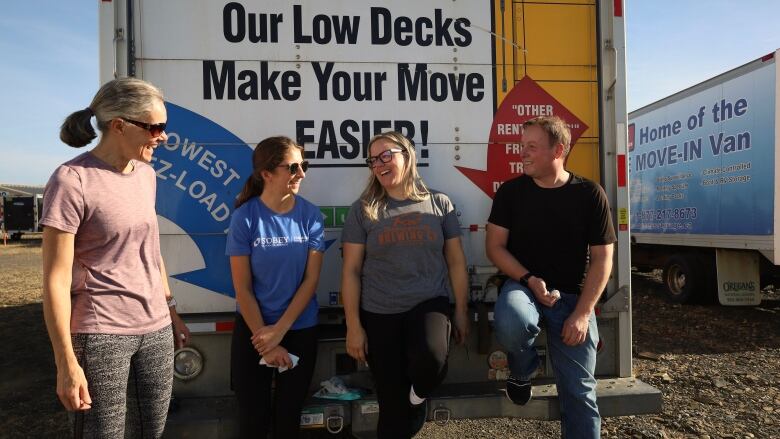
[(616, 397), (215, 417)]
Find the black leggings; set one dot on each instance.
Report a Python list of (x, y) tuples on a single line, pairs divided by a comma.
[(406, 349), (252, 383)]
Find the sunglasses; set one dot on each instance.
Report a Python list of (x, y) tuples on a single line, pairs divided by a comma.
[(155, 129), (384, 157), (293, 167)]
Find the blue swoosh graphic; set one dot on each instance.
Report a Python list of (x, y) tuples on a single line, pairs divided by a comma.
[(201, 170)]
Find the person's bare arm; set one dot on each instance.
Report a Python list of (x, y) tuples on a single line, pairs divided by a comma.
[(58, 249), (357, 342), (241, 272), (456, 266), (181, 333), (270, 336)]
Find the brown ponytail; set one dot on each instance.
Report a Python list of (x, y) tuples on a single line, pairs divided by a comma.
[(268, 154), (77, 131)]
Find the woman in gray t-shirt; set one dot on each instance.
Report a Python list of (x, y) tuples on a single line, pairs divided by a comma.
[(403, 259)]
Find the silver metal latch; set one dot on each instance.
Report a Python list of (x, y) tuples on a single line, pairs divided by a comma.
[(441, 416)]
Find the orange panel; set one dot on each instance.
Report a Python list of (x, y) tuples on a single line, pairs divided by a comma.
[(581, 98), (584, 159)]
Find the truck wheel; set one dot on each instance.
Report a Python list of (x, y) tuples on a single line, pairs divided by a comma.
[(682, 279)]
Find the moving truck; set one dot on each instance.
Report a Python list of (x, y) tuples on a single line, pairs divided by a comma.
[(703, 179), (457, 77)]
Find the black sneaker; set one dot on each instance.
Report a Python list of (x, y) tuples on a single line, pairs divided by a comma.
[(518, 391), (419, 414)]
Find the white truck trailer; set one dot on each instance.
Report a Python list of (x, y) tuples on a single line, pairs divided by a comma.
[(703, 184), (458, 77)]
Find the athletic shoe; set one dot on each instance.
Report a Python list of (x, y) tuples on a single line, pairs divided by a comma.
[(518, 391), (413, 398), (419, 414)]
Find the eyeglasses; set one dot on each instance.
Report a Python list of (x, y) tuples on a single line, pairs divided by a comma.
[(293, 167), (155, 129), (384, 157)]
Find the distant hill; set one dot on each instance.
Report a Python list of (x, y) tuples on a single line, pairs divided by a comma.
[(20, 189)]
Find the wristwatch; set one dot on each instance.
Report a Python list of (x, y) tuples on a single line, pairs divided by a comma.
[(524, 278), (171, 302)]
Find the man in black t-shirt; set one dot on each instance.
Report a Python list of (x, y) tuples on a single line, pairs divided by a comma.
[(545, 228)]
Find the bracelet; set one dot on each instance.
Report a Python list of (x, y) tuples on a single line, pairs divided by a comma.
[(524, 278), (171, 302)]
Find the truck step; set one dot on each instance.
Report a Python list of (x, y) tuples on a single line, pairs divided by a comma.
[(214, 418)]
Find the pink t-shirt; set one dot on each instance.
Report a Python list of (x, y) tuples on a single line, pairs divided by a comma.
[(117, 286)]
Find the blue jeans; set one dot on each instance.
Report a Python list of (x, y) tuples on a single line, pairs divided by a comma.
[(517, 319)]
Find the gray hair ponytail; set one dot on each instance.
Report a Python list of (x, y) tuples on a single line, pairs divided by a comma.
[(124, 97)]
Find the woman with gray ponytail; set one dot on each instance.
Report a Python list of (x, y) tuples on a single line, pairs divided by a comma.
[(106, 301)]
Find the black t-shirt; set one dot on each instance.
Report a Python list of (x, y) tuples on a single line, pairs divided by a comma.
[(550, 229)]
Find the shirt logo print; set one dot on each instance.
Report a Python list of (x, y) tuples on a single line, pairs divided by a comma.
[(406, 229), (271, 241)]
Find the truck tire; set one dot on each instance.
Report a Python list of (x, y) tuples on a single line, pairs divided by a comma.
[(684, 279)]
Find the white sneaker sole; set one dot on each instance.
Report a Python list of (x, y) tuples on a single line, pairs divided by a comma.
[(413, 398)]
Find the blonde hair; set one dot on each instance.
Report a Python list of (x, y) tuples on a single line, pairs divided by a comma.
[(132, 98), (556, 130), (374, 196)]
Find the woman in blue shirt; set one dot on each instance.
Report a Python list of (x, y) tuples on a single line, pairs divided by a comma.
[(276, 245)]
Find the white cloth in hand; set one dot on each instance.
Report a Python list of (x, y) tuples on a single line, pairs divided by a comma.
[(294, 358)]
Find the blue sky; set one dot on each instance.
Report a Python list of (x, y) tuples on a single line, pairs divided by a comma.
[(673, 44), (49, 64), (48, 69)]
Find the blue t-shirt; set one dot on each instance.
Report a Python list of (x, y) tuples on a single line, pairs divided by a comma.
[(278, 247)]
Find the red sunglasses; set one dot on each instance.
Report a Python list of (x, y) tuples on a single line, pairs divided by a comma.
[(155, 129)]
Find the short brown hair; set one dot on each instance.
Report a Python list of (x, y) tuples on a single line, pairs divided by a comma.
[(556, 130)]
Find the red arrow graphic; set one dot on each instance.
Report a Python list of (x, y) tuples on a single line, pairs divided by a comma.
[(525, 101)]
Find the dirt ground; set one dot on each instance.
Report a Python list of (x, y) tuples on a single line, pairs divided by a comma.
[(28, 404), (718, 368)]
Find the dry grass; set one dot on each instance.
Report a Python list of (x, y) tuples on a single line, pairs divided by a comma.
[(20, 273)]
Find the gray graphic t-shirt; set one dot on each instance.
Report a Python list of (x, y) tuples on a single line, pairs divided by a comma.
[(404, 261)]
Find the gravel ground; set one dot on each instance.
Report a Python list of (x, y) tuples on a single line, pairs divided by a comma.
[(718, 367)]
